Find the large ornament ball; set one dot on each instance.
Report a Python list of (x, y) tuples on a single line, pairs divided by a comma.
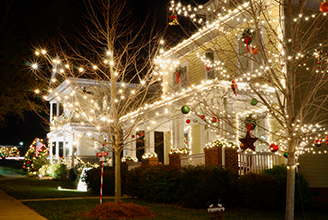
[(286, 155), (273, 147), (318, 143), (185, 109), (253, 101), (324, 7), (188, 121), (133, 136)]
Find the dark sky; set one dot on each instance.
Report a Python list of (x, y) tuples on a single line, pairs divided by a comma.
[(36, 22)]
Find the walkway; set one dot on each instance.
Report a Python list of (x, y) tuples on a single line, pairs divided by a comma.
[(11, 208)]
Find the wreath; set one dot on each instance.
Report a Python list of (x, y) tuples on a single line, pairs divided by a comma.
[(247, 37), (250, 122)]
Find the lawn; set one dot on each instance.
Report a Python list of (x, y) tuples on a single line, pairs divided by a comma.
[(74, 208), (33, 188)]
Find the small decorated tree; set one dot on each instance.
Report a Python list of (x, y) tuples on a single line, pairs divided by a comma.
[(4, 152), (14, 152), (36, 156)]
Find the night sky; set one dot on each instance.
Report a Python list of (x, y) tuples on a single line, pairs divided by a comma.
[(30, 23)]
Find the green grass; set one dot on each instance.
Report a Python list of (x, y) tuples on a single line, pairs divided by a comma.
[(75, 209), (16, 170), (29, 188)]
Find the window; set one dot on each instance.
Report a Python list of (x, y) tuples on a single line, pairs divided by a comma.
[(209, 65), (248, 59), (180, 77)]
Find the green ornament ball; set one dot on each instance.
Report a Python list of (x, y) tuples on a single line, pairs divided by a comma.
[(286, 155), (185, 109), (253, 101)]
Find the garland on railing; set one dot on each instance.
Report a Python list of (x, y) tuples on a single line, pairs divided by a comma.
[(149, 155), (181, 150), (128, 158), (220, 143)]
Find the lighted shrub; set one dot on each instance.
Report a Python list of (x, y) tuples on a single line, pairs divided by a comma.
[(4, 152)]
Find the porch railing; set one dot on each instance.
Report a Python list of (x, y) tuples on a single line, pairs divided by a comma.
[(256, 162), (194, 159)]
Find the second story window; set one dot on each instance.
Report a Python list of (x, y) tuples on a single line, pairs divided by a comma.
[(209, 65), (180, 77)]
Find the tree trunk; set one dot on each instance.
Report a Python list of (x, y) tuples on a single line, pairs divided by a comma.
[(290, 192), (117, 175)]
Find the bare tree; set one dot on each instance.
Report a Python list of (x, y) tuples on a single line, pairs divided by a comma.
[(108, 76), (275, 51)]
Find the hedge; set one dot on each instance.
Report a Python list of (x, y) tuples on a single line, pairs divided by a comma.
[(201, 186)]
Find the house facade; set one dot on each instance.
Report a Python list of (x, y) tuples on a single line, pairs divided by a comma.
[(197, 73)]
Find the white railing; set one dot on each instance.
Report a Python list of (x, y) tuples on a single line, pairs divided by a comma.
[(194, 159), (256, 162)]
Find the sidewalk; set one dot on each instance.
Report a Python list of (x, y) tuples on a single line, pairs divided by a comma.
[(11, 208)]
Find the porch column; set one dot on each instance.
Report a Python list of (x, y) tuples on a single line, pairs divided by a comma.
[(178, 132), (64, 147), (50, 151), (57, 149), (149, 142), (228, 134), (268, 128), (51, 111), (132, 144), (57, 109)]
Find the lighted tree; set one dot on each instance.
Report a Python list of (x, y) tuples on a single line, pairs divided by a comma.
[(275, 52), (4, 152), (32, 161), (114, 57), (14, 152)]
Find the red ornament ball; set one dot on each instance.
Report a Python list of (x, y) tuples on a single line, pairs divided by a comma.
[(188, 121), (202, 116), (214, 119), (273, 147), (133, 136), (318, 143), (324, 7), (141, 134)]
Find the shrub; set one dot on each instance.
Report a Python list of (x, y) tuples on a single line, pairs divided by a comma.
[(260, 191), (92, 179), (194, 187), (201, 186), (14, 152), (4, 152), (302, 191), (155, 183), (57, 170)]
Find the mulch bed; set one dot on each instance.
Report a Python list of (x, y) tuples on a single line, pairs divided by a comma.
[(119, 210)]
